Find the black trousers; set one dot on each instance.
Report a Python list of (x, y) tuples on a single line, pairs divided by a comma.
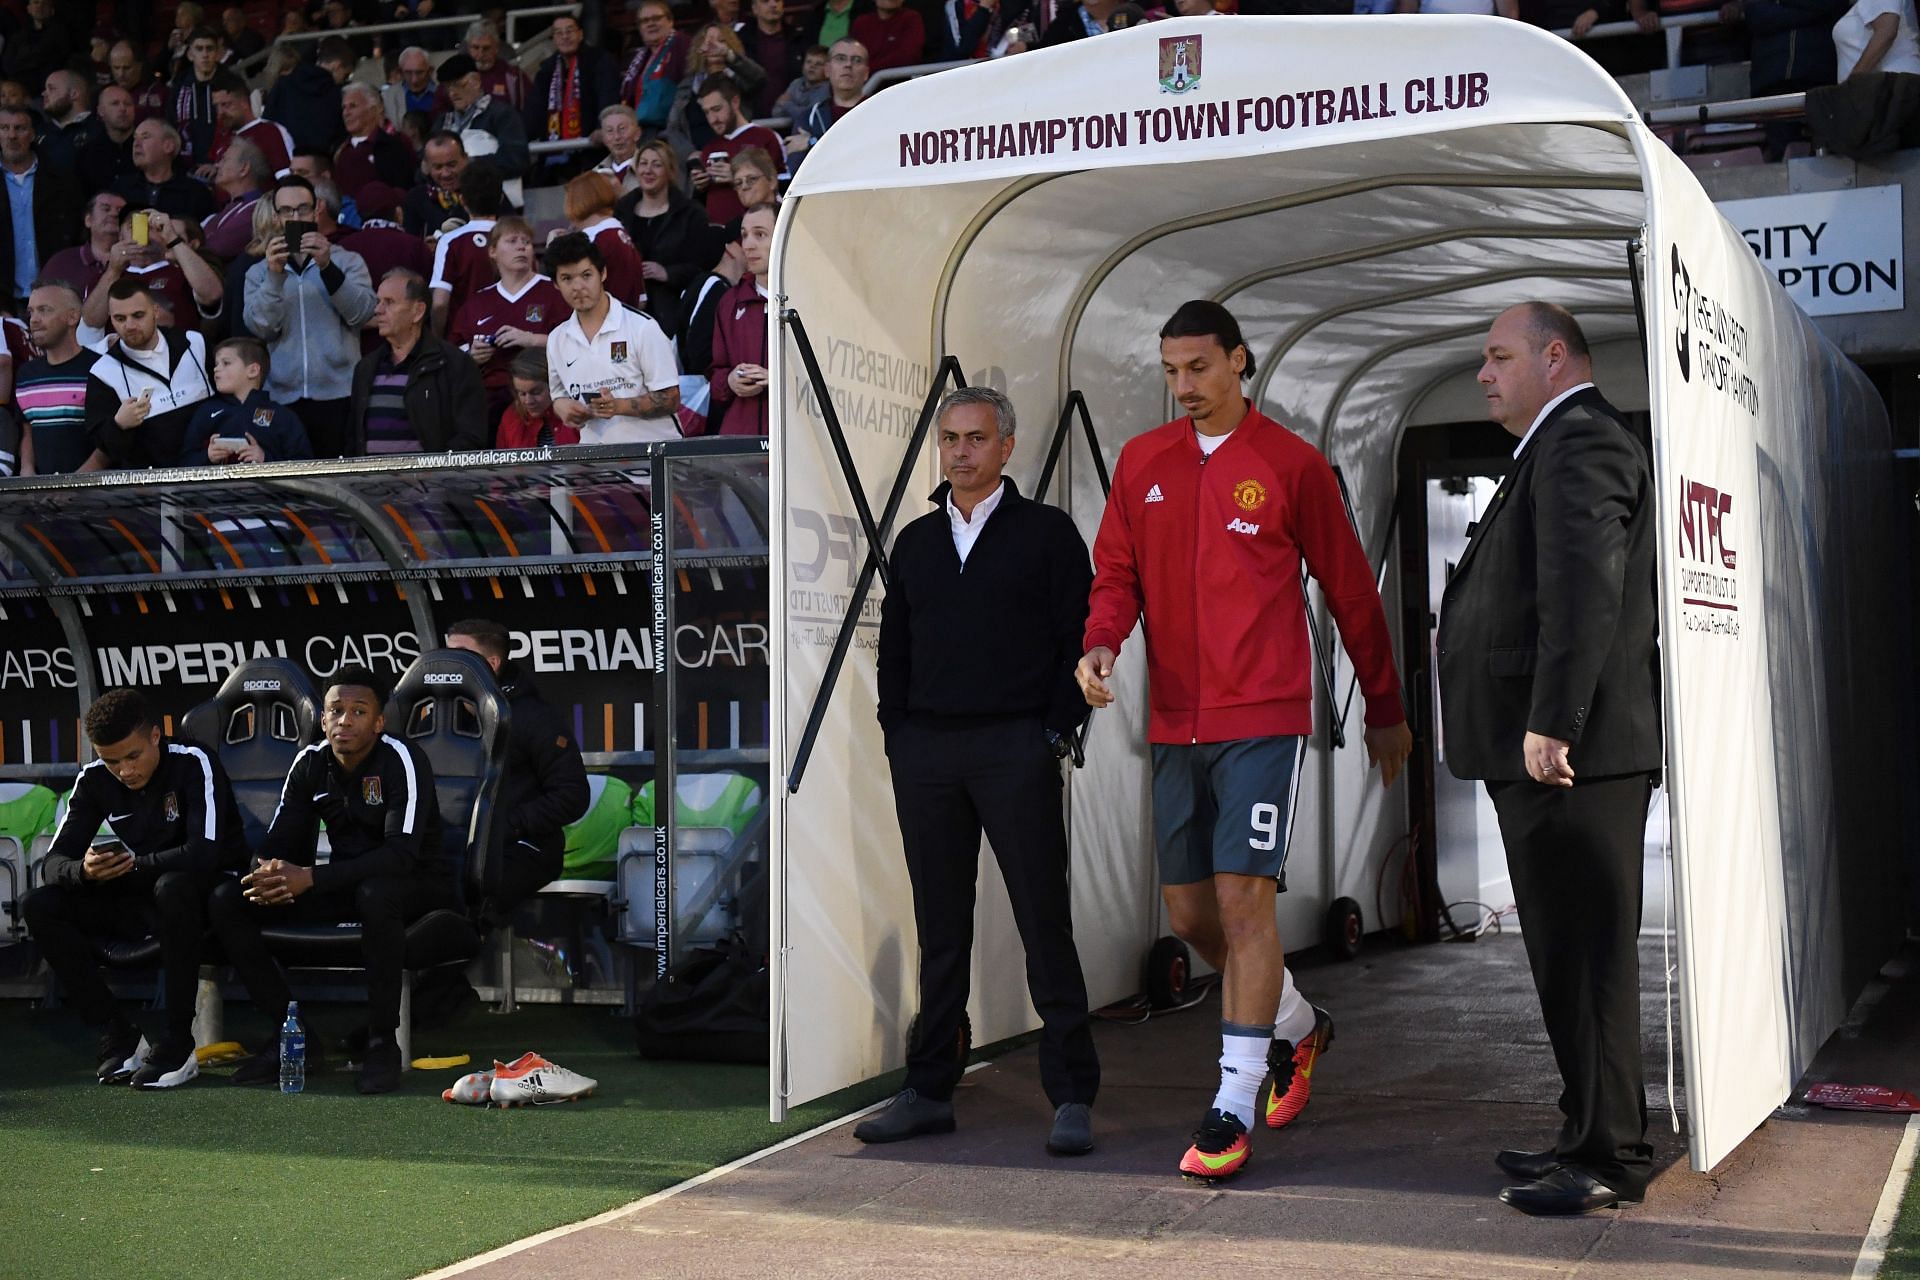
[(326, 422), (520, 870), (1575, 855), (947, 785), (66, 920), (384, 906)]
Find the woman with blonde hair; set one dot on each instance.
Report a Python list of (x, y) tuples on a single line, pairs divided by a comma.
[(671, 232), (590, 199)]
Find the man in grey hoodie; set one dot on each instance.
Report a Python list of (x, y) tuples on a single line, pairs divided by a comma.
[(307, 301)]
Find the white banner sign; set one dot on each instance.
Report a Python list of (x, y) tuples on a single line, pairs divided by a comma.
[(1835, 252)]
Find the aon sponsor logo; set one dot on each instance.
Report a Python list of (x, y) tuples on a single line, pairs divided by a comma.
[(1237, 525)]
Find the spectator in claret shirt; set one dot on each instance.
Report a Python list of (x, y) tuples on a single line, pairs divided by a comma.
[(131, 73), (712, 166), (233, 107), (590, 201), (499, 77), (372, 152), (893, 34), (738, 377), (461, 264), (778, 46), (244, 174), (187, 287), (84, 264), (513, 314)]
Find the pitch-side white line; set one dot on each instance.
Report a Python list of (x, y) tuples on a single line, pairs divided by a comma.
[(1873, 1250), (667, 1193)]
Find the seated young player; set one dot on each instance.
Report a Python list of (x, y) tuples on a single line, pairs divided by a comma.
[(175, 830), (530, 421), (388, 869), (241, 423)]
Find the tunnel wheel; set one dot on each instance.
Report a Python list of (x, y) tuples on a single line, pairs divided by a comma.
[(1344, 928), (1169, 970)]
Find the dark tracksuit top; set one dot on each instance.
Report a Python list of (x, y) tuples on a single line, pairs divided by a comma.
[(383, 819), (545, 786), (184, 819)]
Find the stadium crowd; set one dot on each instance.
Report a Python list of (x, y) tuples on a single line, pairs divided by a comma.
[(325, 236)]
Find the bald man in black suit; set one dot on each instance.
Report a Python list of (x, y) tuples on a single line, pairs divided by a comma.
[(1550, 685)]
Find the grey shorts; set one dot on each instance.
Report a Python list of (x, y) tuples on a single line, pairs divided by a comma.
[(1223, 807)]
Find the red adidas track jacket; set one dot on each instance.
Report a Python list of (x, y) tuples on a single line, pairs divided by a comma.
[(1209, 550)]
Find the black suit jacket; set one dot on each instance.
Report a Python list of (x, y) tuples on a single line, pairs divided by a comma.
[(56, 218), (1548, 624)]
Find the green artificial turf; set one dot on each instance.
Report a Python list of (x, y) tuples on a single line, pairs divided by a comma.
[(212, 1180), (1903, 1250)]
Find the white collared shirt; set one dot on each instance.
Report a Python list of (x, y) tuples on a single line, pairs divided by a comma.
[(628, 357), (1546, 409), (967, 532)]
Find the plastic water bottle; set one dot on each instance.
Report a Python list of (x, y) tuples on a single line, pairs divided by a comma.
[(293, 1051)]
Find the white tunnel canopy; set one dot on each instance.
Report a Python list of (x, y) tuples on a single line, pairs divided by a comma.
[(1365, 194)]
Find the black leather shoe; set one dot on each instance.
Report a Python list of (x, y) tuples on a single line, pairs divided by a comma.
[(380, 1071), (1072, 1133), (1528, 1166), (1563, 1192), (908, 1116)]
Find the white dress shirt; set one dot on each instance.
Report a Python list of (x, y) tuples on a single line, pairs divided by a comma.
[(967, 532), (1546, 409)]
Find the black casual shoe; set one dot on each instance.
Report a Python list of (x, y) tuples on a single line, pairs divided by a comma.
[(1072, 1130), (170, 1065), (380, 1070), (264, 1066), (908, 1116), (120, 1052), (1565, 1192), (1528, 1166)]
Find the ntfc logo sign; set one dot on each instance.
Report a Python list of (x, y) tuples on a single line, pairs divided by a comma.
[(1710, 589), (1179, 64)]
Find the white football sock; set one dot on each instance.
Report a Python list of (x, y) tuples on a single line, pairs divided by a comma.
[(1293, 1022), (1243, 1066)]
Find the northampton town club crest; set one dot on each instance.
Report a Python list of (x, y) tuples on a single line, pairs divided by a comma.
[(1179, 64)]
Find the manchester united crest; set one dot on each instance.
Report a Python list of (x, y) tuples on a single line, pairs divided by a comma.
[(171, 806), (370, 790), (1250, 495)]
